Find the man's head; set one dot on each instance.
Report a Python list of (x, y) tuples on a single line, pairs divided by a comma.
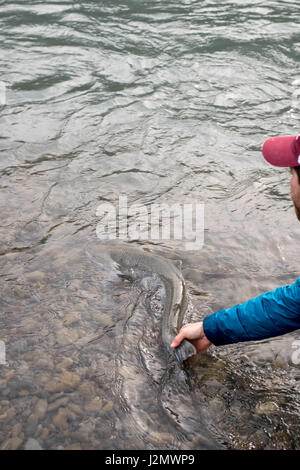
[(285, 152)]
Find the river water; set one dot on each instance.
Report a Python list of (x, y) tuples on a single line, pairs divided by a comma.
[(161, 102)]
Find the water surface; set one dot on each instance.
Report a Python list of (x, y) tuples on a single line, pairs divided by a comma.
[(161, 101)]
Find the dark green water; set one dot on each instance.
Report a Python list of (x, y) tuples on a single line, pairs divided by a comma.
[(162, 101)]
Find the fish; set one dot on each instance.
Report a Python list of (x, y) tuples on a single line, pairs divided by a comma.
[(136, 262)]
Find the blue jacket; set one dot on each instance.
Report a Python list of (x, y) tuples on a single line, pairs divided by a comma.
[(271, 314)]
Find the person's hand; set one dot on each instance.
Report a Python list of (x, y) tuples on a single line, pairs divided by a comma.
[(195, 334)]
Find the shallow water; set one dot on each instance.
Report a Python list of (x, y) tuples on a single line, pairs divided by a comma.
[(162, 102)]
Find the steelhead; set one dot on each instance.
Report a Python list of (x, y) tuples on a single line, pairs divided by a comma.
[(136, 263)]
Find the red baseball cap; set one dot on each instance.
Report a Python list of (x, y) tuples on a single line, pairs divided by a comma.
[(282, 151)]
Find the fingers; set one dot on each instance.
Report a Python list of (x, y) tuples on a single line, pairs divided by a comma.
[(179, 338)]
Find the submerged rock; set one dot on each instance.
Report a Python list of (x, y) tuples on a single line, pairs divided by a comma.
[(266, 407), (32, 444)]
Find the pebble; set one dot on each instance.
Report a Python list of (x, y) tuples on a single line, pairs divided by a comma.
[(66, 336), (75, 408), (2, 384), (71, 318), (65, 363), (65, 381), (41, 408), (45, 433), (35, 276), (28, 324), (32, 444), (10, 413), (94, 405), (162, 437), (58, 403), (23, 393), (60, 420), (39, 412), (87, 389), (16, 430), (12, 443), (108, 406), (266, 407), (44, 362), (75, 446), (9, 375)]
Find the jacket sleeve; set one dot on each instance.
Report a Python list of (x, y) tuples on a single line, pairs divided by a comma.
[(270, 314)]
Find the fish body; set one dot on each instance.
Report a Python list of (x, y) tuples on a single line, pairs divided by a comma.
[(133, 262)]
